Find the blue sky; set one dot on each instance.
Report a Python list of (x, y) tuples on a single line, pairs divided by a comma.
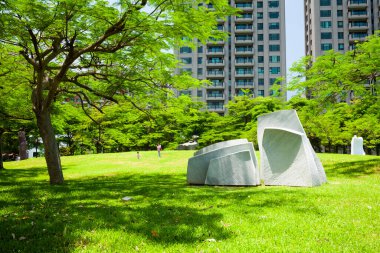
[(295, 35)]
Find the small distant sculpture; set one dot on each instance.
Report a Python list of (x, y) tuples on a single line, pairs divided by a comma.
[(225, 163), (287, 157), (357, 146)]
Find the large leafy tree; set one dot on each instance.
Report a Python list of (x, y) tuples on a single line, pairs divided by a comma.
[(95, 50)]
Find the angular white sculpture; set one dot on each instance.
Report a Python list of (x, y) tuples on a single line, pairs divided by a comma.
[(287, 157), (224, 163), (357, 146)]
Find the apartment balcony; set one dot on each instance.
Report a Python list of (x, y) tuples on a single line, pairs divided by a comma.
[(244, 52), (357, 17), (244, 63), (243, 29), (357, 4), (244, 40), (244, 85), (212, 52), (212, 108), (215, 63), (215, 96), (356, 38), (353, 27), (245, 6), (215, 74), (215, 42), (243, 19), (215, 86), (244, 73)]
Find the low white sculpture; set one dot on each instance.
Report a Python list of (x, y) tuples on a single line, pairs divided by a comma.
[(357, 146), (224, 163), (287, 157)]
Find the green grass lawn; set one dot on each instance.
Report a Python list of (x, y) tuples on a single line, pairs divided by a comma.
[(167, 215)]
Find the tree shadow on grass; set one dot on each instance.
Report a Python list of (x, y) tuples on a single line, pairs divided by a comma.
[(353, 168), (36, 217)]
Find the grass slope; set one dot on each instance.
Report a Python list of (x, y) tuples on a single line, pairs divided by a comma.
[(167, 215)]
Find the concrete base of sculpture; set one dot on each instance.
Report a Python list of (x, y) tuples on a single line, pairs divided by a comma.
[(287, 157), (225, 163), (357, 146)]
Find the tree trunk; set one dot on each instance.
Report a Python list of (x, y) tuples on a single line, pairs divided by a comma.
[(1, 151), (52, 158), (23, 146)]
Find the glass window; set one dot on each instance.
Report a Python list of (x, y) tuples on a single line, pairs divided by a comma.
[(341, 46), (339, 13), (326, 46), (261, 93), (200, 49), (339, 2), (261, 81), (185, 50), (325, 24), (273, 4), (340, 35), (260, 48), (325, 13), (260, 70), (274, 70), (340, 24), (324, 2), (260, 26), (274, 36), (199, 60), (274, 14), (274, 58), (260, 15), (199, 93), (274, 48), (326, 35), (186, 60), (260, 37), (260, 59), (200, 71), (260, 4), (272, 81), (274, 25)]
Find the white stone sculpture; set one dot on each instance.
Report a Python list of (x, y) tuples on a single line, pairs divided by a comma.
[(357, 146), (287, 157), (224, 163)]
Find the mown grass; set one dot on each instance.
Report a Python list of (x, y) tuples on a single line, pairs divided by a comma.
[(167, 215)]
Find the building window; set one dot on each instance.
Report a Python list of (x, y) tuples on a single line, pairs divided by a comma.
[(260, 37), (274, 25), (260, 48), (339, 13), (244, 49), (324, 2), (340, 35), (341, 46), (186, 60), (325, 13), (260, 59), (274, 14), (260, 70), (200, 49), (273, 4), (185, 50), (215, 49), (260, 15), (325, 24), (260, 26), (259, 4), (274, 36), (261, 81), (274, 48), (339, 2), (272, 81), (340, 24), (199, 60), (200, 71), (274, 58), (274, 70), (326, 46), (261, 93), (199, 93), (326, 35)]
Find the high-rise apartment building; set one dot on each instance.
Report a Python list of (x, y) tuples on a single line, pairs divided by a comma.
[(338, 24), (252, 57)]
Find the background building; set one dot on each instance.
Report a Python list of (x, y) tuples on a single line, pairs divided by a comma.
[(338, 24), (252, 57)]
